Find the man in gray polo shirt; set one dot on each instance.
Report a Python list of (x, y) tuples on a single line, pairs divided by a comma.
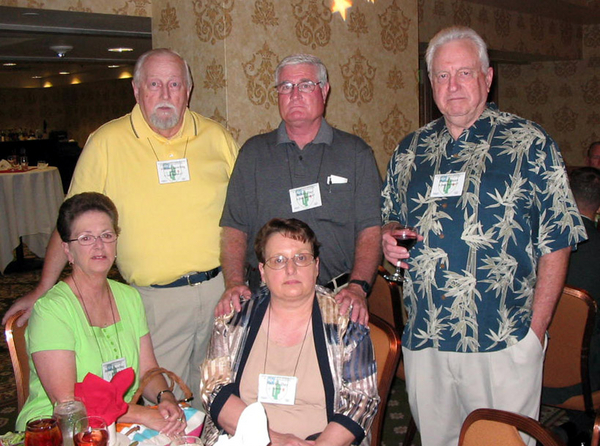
[(307, 170)]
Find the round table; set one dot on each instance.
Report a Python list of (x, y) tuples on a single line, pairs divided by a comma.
[(29, 203)]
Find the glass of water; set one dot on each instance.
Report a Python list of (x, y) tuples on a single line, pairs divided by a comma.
[(67, 412)]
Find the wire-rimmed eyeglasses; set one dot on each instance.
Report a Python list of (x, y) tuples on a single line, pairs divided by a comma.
[(300, 259), (303, 87), (88, 239)]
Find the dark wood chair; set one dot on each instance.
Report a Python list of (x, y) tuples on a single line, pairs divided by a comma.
[(492, 427), (386, 344), (385, 302), (15, 338), (567, 356)]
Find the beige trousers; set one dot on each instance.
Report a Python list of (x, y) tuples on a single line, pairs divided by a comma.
[(180, 321), (444, 387)]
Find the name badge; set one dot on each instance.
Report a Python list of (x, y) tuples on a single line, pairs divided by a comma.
[(277, 389), (173, 171), (111, 368), (448, 184), (305, 197)]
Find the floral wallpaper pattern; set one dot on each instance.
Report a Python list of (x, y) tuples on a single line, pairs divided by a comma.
[(372, 61)]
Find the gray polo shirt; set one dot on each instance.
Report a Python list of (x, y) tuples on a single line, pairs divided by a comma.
[(269, 165)]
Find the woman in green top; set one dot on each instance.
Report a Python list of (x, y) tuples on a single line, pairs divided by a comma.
[(88, 323)]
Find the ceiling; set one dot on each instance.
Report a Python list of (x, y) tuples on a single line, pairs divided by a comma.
[(26, 36)]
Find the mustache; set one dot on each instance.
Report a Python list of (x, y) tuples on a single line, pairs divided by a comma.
[(164, 105)]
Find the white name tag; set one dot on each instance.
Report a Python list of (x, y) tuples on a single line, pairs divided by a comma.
[(448, 184), (111, 368), (173, 171), (277, 389), (305, 197)]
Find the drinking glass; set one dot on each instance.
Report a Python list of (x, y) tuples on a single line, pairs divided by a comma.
[(43, 432), (90, 431), (42, 164), (405, 236), (67, 412), (12, 159), (24, 162)]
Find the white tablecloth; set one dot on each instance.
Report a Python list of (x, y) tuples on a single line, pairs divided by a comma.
[(29, 203)]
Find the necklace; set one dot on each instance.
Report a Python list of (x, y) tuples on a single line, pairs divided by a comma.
[(87, 315), (301, 346)]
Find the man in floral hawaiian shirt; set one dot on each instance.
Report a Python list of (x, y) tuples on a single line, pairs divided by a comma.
[(489, 195)]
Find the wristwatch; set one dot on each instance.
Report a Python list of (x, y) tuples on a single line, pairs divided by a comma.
[(363, 284)]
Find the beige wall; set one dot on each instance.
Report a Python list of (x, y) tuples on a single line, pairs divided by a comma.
[(234, 47)]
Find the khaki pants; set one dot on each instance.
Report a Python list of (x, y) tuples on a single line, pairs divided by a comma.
[(181, 321), (444, 387)]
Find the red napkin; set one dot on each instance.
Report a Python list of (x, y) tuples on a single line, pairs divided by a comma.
[(105, 399)]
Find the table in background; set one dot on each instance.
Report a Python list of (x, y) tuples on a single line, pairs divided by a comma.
[(29, 203)]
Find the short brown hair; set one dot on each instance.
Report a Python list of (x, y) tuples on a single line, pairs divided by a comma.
[(290, 228), (78, 205)]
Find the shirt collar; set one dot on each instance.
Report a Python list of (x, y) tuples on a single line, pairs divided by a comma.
[(324, 135), (142, 130)]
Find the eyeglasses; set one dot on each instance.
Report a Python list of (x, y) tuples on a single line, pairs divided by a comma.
[(88, 239), (303, 87), (279, 262)]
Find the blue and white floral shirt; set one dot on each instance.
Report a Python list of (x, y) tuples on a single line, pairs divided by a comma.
[(471, 281)]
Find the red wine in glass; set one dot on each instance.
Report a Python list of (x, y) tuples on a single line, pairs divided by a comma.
[(407, 237)]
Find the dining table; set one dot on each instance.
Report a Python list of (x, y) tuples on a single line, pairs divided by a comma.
[(29, 203)]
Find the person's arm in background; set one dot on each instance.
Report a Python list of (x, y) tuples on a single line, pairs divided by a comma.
[(54, 263), (367, 257), (233, 258)]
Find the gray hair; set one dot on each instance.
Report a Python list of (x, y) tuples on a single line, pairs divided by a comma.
[(298, 59), (585, 185), (457, 33), (138, 71)]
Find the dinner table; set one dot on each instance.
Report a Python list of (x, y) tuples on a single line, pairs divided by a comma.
[(29, 203)]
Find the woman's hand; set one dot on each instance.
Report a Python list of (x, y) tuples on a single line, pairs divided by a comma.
[(169, 419), (278, 439)]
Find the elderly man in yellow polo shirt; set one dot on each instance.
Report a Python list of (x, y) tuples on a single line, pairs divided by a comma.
[(166, 168)]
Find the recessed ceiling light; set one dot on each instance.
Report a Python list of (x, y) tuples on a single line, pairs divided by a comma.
[(30, 13), (120, 50), (9, 64), (114, 66), (36, 77), (64, 72)]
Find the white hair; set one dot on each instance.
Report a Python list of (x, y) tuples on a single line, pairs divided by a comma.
[(457, 33)]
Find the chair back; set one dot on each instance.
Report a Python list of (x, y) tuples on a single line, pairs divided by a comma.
[(596, 432), (15, 339), (385, 301), (567, 355), (492, 427), (386, 344)]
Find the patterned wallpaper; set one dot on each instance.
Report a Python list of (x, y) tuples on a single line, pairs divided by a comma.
[(234, 47), (553, 77)]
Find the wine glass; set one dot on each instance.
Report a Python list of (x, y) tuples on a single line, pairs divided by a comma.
[(43, 432), (405, 236), (12, 159), (90, 431)]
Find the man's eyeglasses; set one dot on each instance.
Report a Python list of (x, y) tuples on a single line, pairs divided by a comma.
[(303, 87), (88, 239), (279, 262)]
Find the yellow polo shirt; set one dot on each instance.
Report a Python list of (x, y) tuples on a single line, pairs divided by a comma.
[(167, 230)]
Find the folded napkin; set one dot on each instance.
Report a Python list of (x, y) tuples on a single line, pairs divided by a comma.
[(105, 399), (5, 165), (251, 429)]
